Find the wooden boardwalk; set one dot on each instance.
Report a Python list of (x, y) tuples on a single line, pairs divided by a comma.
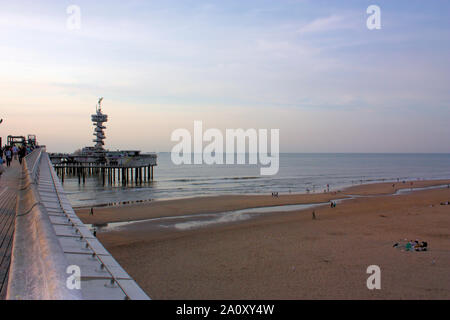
[(9, 185)]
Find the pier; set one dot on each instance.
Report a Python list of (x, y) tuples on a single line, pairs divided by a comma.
[(113, 167), (41, 238), (109, 174), (46, 252)]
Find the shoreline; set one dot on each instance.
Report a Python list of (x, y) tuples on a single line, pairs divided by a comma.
[(223, 203), (342, 189)]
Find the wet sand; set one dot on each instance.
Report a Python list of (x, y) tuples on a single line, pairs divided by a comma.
[(289, 255), (391, 187), (178, 207), (211, 204)]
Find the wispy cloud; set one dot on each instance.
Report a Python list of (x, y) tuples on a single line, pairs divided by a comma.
[(282, 55), (325, 24)]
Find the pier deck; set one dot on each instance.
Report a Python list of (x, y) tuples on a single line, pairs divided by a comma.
[(38, 225), (54, 255), (9, 184)]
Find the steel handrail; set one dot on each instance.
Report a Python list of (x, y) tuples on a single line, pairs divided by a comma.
[(81, 236)]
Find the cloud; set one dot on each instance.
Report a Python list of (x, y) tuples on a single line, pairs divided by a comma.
[(178, 59), (333, 22)]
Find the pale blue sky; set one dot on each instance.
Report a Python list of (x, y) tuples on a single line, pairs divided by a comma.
[(309, 68)]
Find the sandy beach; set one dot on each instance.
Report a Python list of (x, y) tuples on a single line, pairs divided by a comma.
[(211, 204), (288, 255)]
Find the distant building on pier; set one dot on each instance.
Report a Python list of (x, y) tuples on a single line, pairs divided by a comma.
[(97, 157)]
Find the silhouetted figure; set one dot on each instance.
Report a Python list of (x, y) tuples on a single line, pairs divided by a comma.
[(8, 156), (22, 153)]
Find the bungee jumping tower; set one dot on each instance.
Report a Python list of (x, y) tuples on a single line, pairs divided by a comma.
[(121, 166), (98, 119)]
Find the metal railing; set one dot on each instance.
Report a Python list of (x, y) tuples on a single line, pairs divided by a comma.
[(39, 257), (34, 158), (37, 260), (103, 265)]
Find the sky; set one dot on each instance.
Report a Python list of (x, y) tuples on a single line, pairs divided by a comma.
[(310, 68)]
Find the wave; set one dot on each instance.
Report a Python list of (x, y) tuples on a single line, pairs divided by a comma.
[(213, 178), (240, 178)]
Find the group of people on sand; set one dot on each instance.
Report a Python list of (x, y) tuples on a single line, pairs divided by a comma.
[(413, 245), (10, 153)]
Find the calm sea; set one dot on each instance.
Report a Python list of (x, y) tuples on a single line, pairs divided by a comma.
[(297, 173)]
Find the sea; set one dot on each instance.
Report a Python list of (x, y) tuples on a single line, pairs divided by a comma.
[(298, 173)]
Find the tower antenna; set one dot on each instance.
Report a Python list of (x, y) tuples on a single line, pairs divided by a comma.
[(99, 105), (98, 119)]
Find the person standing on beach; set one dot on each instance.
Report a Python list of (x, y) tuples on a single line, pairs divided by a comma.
[(92, 211)]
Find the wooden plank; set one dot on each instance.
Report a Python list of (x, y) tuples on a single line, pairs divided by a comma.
[(8, 197), (3, 287)]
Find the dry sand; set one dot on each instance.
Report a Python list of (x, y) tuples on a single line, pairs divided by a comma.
[(289, 255)]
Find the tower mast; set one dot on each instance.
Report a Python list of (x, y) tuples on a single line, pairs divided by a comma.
[(98, 119)]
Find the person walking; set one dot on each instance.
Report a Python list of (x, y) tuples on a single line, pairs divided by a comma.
[(1, 166), (15, 151), (8, 155), (22, 153)]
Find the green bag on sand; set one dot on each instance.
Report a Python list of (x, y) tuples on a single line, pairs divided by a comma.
[(408, 246)]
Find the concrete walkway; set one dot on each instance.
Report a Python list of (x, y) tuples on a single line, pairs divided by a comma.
[(9, 185)]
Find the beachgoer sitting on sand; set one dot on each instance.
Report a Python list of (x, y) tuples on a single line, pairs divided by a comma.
[(411, 245), (424, 246)]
